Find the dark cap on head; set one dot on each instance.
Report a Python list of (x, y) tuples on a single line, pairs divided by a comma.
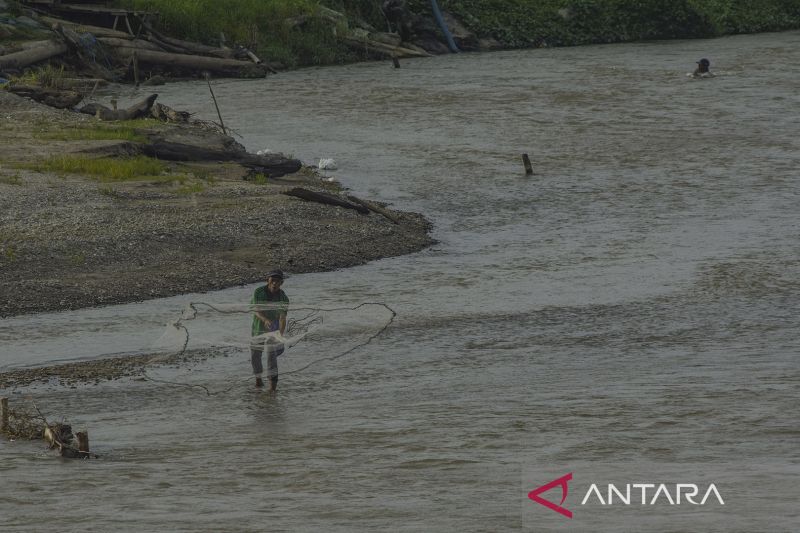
[(275, 274), (705, 62)]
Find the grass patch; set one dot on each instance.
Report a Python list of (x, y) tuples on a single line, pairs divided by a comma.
[(190, 188), (259, 179), (99, 133), (105, 169), (47, 76), (14, 179)]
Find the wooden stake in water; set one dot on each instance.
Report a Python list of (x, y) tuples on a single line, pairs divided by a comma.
[(395, 62), (3, 414), (527, 162), (222, 124), (83, 441)]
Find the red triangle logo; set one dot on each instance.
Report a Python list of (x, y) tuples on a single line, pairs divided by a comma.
[(562, 482)]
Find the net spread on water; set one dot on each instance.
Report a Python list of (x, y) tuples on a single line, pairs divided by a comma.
[(313, 335)]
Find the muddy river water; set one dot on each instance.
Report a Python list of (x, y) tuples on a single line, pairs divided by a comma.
[(628, 314)]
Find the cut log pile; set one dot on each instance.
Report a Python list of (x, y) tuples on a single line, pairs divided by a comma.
[(113, 55)]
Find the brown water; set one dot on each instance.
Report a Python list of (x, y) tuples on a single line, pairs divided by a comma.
[(633, 304)]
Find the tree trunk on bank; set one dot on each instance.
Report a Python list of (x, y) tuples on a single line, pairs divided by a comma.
[(24, 58), (324, 198), (192, 62), (57, 98)]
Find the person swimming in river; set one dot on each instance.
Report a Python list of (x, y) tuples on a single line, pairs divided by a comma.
[(702, 70), (266, 321)]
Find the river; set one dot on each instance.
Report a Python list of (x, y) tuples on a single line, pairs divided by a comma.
[(633, 306)]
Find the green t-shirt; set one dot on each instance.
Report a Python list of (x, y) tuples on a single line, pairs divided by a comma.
[(262, 296)]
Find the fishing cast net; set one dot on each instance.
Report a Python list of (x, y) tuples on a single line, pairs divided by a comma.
[(218, 338)]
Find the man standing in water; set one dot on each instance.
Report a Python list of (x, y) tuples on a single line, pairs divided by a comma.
[(265, 320)]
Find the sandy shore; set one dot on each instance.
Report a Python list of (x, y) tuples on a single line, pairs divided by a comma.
[(69, 241)]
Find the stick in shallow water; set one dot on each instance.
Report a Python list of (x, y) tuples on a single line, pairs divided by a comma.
[(222, 124)]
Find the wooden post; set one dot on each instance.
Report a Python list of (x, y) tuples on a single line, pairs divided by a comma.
[(395, 62), (83, 441), (3, 414), (135, 60), (527, 162)]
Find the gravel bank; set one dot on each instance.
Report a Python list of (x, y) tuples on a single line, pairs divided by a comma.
[(68, 241)]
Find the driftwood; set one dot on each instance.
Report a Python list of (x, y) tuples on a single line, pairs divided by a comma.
[(193, 62), (167, 114), (187, 47), (383, 43), (382, 48), (274, 165), (141, 44), (60, 437), (179, 144), (374, 208), (325, 198), (53, 97), (85, 28), (24, 58), (140, 109)]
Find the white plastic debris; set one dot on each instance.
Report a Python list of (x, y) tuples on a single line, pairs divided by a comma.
[(327, 164)]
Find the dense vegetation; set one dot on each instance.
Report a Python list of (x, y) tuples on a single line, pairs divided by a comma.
[(522, 23), (296, 32)]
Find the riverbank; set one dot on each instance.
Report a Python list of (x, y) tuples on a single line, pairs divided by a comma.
[(298, 33), (70, 240)]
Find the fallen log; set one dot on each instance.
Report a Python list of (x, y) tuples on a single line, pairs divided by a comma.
[(362, 42), (34, 55), (274, 165), (194, 62), (97, 31), (57, 98), (188, 46), (374, 208), (137, 110), (139, 44), (324, 198)]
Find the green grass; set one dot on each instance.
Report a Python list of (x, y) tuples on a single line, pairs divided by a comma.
[(46, 76), (105, 169), (14, 179), (260, 25), (95, 133), (190, 188)]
